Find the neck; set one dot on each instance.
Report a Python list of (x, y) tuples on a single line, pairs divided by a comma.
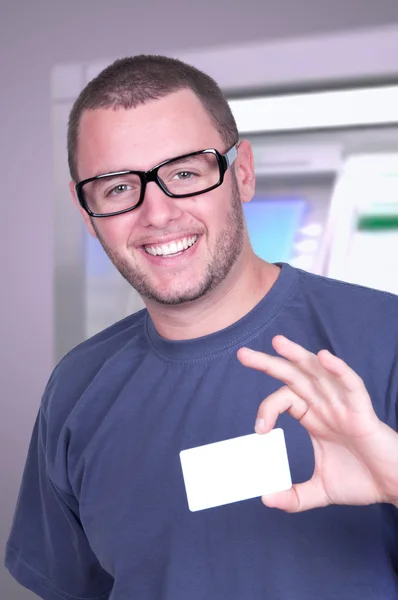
[(229, 302)]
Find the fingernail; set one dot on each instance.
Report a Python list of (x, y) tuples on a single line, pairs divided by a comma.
[(259, 425), (250, 351)]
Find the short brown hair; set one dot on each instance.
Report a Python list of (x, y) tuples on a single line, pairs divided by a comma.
[(130, 82)]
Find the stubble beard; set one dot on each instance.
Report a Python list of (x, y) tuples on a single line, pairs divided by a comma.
[(222, 258)]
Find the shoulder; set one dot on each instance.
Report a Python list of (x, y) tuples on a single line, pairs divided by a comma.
[(101, 354), (357, 323), (349, 299)]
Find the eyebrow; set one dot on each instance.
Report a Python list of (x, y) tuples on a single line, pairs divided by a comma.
[(103, 173), (189, 159)]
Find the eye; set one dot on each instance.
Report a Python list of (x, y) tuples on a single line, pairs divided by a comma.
[(184, 175), (119, 189)]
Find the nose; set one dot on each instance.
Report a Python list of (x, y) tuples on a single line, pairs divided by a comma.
[(158, 209)]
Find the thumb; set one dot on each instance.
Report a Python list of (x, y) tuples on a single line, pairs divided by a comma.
[(300, 497)]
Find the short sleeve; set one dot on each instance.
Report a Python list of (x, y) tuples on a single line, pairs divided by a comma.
[(48, 551)]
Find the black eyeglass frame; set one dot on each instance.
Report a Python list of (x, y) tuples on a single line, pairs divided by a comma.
[(224, 162)]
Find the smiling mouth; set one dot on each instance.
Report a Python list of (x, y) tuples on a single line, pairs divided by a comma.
[(172, 248)]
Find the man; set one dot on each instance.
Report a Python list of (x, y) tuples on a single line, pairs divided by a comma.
[(160, 176)]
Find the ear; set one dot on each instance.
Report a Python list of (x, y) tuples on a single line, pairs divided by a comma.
[(244, 170), (86, 216)]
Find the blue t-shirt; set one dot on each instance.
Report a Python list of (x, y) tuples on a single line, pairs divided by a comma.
[(102, 511)]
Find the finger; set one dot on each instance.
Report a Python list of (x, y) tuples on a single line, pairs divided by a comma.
[(329, 374), (277, 367), (281, 369), (258, 360), (306, 361), (316, 365), (300, 497), (283, 400), (348, 379)]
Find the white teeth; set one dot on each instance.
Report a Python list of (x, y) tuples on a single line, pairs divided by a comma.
[(172, 247)]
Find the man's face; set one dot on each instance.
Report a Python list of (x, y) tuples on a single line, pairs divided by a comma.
[(210, 224)]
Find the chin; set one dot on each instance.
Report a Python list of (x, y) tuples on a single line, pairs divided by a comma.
[(174, 296), (174, 299)]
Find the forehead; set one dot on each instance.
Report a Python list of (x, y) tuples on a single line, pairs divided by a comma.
[(139, 138)]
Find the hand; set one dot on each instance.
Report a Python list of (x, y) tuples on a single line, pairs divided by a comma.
[(356, 455)]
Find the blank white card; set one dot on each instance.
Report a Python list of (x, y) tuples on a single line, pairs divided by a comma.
[(238, 469)]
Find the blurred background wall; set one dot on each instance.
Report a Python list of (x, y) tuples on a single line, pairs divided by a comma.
[(36, 37)]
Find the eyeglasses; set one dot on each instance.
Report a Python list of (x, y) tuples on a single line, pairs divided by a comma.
[(181, 177)]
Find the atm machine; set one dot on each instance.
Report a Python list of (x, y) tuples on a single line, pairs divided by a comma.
[(328, 213), (362, 233), (287, 218)]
